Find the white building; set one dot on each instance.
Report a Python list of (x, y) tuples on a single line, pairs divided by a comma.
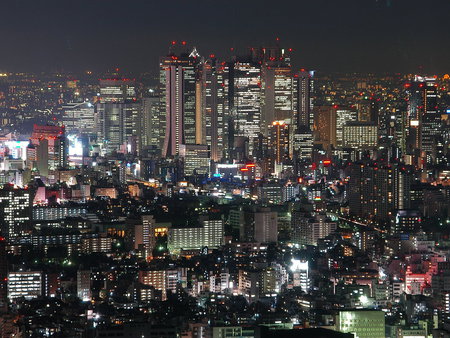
[(26, 284), (209, 234)]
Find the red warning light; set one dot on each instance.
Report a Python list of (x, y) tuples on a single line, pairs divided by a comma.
[(174, 43), (183, 43)]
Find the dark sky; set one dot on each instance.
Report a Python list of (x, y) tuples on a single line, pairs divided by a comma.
[(327, 35)]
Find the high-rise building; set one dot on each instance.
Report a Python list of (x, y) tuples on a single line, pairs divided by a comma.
[(245, 104), (119, 115), (117, 90), (80, 118), (304, 88), (277, 97), (423, 118), (51, 149), (15, 211), (343, 117), (119, 125), (325, 126), (278, 143), (178, 101), (212, 107)]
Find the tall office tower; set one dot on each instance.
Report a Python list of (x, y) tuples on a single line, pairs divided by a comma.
[(178, 101), (119, 115), (278, 142), (303, 144), (80, 118), (212, 106), (245, 99), (375, 192), (51, 148), (343, 116), (325, 126), (119, 125), (304, 89), (277, 84), (117, 90), (150, 123), (423, 119)]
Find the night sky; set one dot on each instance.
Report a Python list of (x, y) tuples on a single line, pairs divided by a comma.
[(327, 35)]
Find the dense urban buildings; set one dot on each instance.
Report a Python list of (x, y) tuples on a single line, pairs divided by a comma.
[(234, 196)]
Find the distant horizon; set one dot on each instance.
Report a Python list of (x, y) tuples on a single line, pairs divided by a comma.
[(352, 36)]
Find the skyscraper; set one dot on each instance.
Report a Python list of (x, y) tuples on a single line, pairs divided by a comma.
[(304, 88), (51, 148), (119, 115), (423, 119), (245, 94), (178, 101), (277, 97), (212, 106), (80, 118)]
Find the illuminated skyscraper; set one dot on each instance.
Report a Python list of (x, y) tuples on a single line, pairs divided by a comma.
[(119, 115), (80, 118), (119, 125), (178, 101), (279, 141), (277, 97), (304, 88), (423, 119), (245, 93), (117, 90), (51, 148), (343, 116), (212, 106)]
